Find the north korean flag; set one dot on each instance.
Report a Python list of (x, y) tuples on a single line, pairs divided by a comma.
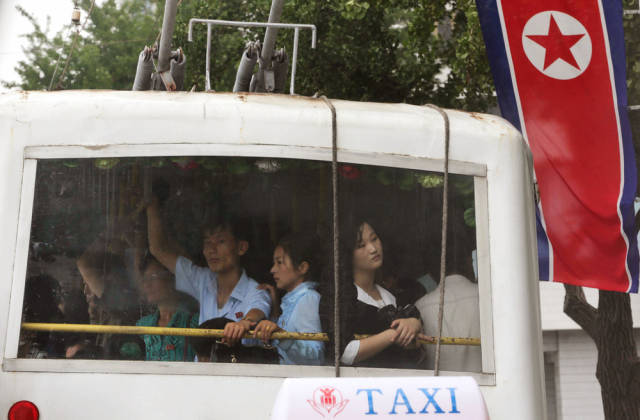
[(559, 70)]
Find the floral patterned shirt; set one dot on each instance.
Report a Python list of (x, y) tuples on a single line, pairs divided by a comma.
[(169, 348)]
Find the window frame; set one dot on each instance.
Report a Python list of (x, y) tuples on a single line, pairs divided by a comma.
[(27, 191)]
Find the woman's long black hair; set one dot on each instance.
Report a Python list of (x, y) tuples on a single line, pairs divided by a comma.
[(353, 216), (301, 247)]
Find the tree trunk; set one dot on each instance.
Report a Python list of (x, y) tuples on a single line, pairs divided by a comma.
[(611, 328)]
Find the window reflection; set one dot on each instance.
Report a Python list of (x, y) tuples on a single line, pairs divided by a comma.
[(244, 244)]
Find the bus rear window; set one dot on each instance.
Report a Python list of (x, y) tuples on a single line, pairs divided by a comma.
[(242, 244)]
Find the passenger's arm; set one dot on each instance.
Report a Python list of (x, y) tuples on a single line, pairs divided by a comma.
[(260, 304), (157, 240), (407, 329), (92, 276), (264, 329), (234, 331), (374, 344), (275, 301), (402, 332), (254, 316), (91, 262), (90, 265), (190, 278)]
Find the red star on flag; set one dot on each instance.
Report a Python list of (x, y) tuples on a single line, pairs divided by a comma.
[(557, 45)]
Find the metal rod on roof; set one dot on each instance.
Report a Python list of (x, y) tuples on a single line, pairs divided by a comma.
[(207, 82), (168, 25), (177, 68), (280, 64), (296, 34), (271, 33), (244, 24), (245, 68), (142, 80), (241, 72)]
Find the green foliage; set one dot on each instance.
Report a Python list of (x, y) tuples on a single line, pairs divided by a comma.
[(227, 43), (414, 51), (631, 33), (106, 51)]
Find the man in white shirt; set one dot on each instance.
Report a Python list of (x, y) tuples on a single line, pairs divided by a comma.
[(461, 319), (223, 289)]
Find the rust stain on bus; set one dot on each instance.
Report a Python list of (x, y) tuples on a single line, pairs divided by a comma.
[(479, 117)]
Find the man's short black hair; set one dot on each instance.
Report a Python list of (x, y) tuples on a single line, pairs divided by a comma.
[(220, 221)]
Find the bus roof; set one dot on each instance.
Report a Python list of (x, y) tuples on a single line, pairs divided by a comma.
[(103, 118)]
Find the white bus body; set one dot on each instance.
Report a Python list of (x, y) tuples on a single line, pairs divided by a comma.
[(91, 124)]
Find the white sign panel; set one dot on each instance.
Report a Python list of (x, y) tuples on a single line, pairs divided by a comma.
[(380, 398)]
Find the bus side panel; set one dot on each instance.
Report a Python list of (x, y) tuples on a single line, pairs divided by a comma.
[(11, 172), (91, 396), (514, 276)]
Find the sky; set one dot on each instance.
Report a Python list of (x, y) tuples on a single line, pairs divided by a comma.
[(12, 25)]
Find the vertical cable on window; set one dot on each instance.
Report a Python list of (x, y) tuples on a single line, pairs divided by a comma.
[(443, 251), (336, 262)]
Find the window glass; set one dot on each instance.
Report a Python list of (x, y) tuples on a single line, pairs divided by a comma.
[(90, 261), (234, 243), (390, 242)]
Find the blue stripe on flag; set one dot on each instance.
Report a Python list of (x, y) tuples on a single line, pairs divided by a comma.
[(543, 248), (613, 18), (499, 63)]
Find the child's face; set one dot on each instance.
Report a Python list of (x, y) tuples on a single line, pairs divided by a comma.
[(286, 276), (222, 251)]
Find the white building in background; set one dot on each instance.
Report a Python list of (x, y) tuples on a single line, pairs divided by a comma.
[(573, 392)]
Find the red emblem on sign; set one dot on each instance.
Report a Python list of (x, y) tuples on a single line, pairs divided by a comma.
[(328, 402)]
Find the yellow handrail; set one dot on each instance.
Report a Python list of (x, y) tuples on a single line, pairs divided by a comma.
[(201, 332)]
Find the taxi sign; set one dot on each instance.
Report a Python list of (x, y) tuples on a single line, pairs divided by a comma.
[(429, 397)]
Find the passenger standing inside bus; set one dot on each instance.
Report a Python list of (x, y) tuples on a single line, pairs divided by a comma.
[(172, 310), (295, 263), (110, 293), (461, 319), (41, 299), (223, 289), (368, 308)]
